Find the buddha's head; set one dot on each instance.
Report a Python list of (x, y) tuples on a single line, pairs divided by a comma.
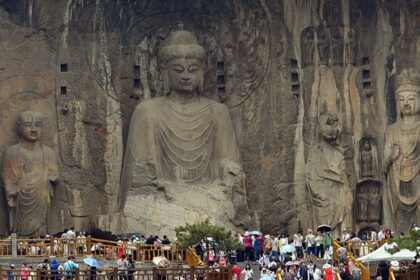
[(29, 125), (181, 59), (408, 93), (328, 127)]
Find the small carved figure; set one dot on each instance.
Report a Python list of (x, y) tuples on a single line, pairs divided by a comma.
[(351, 47), (326, 178), (324, 47), (29, 172), (308, 46), (367, 160), (402, 147), (337, 45)]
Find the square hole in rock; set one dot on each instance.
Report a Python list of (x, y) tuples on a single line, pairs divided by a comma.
[(63, 90), (220, 79), (136, 83), (366, 84), (295, 88), (293, 63), (64, 67), (294, 77), (366, 74), (365, 60)]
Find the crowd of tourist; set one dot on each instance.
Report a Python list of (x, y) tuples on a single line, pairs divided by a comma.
[(285, 257)]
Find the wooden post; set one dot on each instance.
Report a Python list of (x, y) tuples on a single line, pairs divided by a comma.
[(155, 276), (89, 245), (115, 273), (77, 274), (191, 273), (52, 246), (38, 274)]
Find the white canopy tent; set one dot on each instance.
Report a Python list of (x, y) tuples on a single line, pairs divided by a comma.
[(382, 255)]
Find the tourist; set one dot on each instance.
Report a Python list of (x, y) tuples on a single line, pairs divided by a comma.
[(256, 246), (356, 272), (328, 271), (317, 273), (81, 240), (11, 273), (122, 265), (319, 246), (382, 270), (130, 269), (44, 268), (247, 241), (69, 267), (24, 272), (310, 245), (298, 242), (311, 269), (55, 274), (274, 247), (32, 273), (236, 272), (264, 261), (342, 252), (211, 256), (303, 273)]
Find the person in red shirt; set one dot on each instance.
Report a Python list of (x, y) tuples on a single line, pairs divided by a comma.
[(236, 272)]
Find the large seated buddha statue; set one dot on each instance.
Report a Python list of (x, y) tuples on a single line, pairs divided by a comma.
[(182, 160)]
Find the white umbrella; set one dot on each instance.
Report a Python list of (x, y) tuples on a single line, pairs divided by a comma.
[(161, 261)]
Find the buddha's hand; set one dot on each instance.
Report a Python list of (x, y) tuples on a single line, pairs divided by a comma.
[(395, 152), (232, 174), (11, 202)]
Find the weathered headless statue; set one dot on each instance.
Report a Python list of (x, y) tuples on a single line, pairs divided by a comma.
[(402, 147), (329, 190), (181, 138), (29, 173)]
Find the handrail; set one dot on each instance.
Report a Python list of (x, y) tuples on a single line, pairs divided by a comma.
[(391, 274), (335, 245), (337, 274), (365, 271), (62, 247)]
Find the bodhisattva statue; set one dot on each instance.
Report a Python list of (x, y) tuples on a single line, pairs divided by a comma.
[(29, 172), (402, 151), (182, 138), (330, 195)]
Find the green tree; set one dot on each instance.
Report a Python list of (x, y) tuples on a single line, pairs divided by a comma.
[(192, 234), (411, 241)]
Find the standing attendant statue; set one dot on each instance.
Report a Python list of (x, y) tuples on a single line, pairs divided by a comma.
[(29, 172), (330, 195), (402, 151)]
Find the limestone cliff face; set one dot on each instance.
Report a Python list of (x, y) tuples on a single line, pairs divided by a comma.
[(277, 65)]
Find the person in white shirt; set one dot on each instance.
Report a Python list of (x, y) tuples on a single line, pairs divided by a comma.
[(381, 234), (298, 242), (71, 237)]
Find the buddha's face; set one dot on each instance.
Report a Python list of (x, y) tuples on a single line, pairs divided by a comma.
[(329, 128), (30, 128), (408, 103), (184, 74)]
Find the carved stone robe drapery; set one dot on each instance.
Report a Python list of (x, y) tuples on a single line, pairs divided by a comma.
[(329, 192), (181, 143), (27, 176), (403, 174)]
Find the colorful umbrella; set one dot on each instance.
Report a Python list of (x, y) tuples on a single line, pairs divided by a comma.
[(91, 262)]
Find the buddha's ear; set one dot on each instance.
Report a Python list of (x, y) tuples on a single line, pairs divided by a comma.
[(200, 87), (166, 85)]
